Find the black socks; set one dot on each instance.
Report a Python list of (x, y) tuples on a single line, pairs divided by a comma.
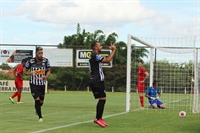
[(100, 109), (38, 108)]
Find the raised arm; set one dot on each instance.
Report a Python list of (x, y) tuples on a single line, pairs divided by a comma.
[(110, 57)]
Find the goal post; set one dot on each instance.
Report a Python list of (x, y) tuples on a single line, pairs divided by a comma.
[(177, 59), (195, 107), (128, 75), (128, 71)]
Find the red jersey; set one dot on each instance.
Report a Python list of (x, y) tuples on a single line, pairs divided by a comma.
[(18, 72), (141, 74)]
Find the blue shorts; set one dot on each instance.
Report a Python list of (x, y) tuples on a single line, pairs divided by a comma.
[(157, 102)]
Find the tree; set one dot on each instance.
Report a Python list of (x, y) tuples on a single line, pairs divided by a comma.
[(98, 35), (78, 78), (83, 38), (112, 38), (5, 66)]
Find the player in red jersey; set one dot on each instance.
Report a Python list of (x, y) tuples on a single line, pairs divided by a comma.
[(18, 73), (142, 76)]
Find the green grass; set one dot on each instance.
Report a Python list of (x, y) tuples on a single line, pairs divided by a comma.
[(73, 112)]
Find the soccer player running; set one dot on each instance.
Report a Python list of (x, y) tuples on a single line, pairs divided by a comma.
[(39, 72), (151, 94), (96, 81), (18, 74), (142, 76)]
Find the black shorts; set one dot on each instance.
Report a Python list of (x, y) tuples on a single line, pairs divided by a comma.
[(98, 89), (38, 91)]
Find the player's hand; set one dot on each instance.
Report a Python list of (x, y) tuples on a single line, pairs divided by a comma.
[(157, 97), (153, 98), (32, 73), (142, 81), (112, 47), (44, 77)]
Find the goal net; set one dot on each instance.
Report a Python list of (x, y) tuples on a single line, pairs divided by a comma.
[(173, 63)]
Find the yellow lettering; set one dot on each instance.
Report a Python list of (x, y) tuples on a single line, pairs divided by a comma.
[(37, 72), (88, 54)]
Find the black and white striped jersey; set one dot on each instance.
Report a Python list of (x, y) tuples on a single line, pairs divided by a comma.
[(96, 71), (38, 69)]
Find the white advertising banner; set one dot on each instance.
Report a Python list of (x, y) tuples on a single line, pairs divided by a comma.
[(15, 56), (59, 57), (9, 86)]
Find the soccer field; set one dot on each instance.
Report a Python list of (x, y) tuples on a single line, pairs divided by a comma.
[(73, 112)]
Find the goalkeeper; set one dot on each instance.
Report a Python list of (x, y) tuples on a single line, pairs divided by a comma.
[(151, 94)]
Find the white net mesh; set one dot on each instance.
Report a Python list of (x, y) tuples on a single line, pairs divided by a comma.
[(172, 45), (174, 62)]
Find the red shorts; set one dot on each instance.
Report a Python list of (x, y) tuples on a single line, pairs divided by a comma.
[(141, 87), (19, 84)]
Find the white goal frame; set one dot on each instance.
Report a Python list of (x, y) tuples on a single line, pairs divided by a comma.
[(195, 109)]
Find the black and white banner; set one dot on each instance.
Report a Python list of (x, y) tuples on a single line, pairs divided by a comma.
[(14, 56), (82, 58)]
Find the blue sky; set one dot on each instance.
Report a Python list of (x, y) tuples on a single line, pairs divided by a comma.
[(48, 21)]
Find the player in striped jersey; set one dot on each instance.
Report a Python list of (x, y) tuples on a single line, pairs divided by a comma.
[(97, 79), (39, 72)]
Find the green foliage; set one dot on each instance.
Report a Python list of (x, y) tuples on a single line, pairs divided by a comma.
[(4, 66), (6, 77), (138, 53), (175, 75), (172, 77), (83, 38)]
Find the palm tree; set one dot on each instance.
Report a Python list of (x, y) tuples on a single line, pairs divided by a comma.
[(138, 53), (112, 38)]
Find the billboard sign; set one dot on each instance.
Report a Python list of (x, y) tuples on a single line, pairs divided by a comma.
[(82, 58), (15, 56), (59, 57)]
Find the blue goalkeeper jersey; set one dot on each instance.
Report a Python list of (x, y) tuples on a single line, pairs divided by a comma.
[(152, 92)]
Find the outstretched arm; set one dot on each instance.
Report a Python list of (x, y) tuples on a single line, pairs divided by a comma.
[(110, 57)]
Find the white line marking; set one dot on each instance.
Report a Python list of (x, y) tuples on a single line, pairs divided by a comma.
[(5, 103), (14, 103), (175, 101), (78, 123), (74, 124)]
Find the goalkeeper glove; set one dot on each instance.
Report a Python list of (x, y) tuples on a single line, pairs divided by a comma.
[(153, 98)]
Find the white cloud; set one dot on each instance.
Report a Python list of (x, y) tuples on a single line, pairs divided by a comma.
[(184, 29), (121, 16), (88, 12)]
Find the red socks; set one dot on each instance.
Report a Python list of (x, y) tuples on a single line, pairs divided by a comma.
[(142, 101), (18, 94), (15, 94)]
